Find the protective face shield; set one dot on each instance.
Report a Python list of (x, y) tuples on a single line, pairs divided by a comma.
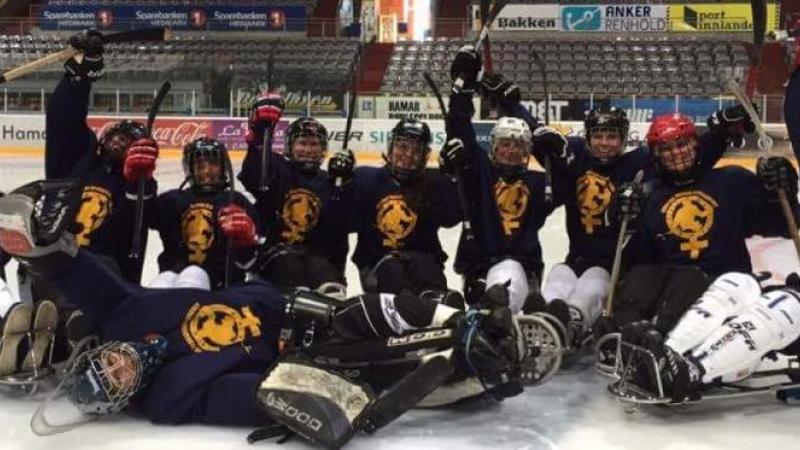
[(115, 141), (100, 381), (672, 140), (306, 144), (606, 133), (206, 165), (511, 143), (408, 150)]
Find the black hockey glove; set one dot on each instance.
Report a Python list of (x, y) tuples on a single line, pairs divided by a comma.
[(776, 173), (628, 202), (88, 65), (733, 122), (505, 92), (453, 157), (341, 166), (549, 142), (466, 70)]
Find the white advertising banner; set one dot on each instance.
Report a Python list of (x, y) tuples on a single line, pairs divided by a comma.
[(615, 18), (422, 108), (521, 18)]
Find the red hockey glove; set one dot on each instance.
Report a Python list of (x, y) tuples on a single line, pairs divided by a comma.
[(266, 111), (237, 226), (140, 160)]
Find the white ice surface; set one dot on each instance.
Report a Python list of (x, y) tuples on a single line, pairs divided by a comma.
[(571, 411)]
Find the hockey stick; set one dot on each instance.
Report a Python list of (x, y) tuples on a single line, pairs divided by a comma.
[(229, 244), (462, 196), (615, 268), (143, 35), (548, 163), (355, 76), (266, 143), (136, 250), (483, 35)]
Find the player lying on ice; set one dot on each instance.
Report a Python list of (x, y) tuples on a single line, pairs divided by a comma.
[(722, 340), (205, 352)]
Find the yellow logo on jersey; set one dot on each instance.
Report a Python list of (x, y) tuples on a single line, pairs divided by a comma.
[(690, 216), (208, 328), (96, 206), (301, 211), (197, 230), (512, 203), (594, 196), (396, 220)]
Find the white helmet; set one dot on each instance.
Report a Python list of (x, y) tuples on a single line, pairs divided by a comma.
[(517, 130)]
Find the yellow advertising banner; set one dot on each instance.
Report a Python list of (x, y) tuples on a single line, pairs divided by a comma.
[(717, 17)]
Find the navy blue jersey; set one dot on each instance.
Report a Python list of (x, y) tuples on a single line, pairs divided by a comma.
[(212, 336), (706, 223), (587, 187), (299, 209), (187, 222), (791, 110), (107, 214), (506, 217), (390, 217)]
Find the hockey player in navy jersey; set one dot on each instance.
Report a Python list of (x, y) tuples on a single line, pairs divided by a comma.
[(204, 352), (304, 213), (398, 210), (109, 168), (587, 172), (197, 223), (507, 200), (693, 225)]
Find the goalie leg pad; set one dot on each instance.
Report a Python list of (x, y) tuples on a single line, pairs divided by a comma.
[(317, 404)]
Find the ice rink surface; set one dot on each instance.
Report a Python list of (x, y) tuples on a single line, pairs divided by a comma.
[(571, 411)]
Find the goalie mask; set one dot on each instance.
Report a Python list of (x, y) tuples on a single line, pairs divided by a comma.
[(511, 143), (672, 140), (115, 141), (206, 165), (306, 145), (101, 382), (606, 133), (408, 150)]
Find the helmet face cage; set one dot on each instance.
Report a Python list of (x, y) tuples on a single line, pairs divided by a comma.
[(613, 119), (417, 133), (518, 131), (115, 141), (306, 127), (211, 151), (92, 386)]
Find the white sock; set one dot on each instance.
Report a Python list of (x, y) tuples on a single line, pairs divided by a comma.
[(7, 299)]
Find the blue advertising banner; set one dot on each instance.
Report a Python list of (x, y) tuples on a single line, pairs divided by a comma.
[(216, 18)]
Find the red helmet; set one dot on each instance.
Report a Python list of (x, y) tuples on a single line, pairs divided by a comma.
[(668, 128)]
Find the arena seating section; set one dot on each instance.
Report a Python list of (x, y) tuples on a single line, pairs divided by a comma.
[(578, 68), (307, 64)]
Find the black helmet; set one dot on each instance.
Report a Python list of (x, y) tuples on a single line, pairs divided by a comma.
[(115, 141), (208, 150), (415, 130), (306, 126), (613, 119)]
